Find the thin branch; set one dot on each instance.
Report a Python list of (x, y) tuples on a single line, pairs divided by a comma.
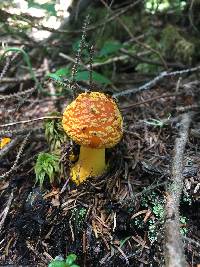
[(149, 61), (174, 255), (4, 151), (4, 214), (21, 149), (50, 84), (130, 201), (18, 95), (97, 64), (157, 79), (20, 79), (28, 121), (7, 65), (82, 44), (71, 59), (147, 101), (192, 241), (22, 131)]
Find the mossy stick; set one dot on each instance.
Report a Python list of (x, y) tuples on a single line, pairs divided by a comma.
[(174, 254)]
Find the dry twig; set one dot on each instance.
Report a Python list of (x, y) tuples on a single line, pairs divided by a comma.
[(147, 101), (7, 65), (4, 213), (155, 81), (18, 95), (29, 121), (97, 64), (21, 132), (174, 255), (21, 149), (4, 151)]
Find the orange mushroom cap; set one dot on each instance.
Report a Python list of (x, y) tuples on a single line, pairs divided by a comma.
[(93, 120)]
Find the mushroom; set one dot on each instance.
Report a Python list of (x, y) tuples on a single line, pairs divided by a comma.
[(93, 121), (4, 141)]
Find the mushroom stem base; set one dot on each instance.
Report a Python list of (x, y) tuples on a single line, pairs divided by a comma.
[(91, 163)]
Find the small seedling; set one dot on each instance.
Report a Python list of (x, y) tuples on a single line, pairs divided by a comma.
[(68, 262), (156, 204), (46, 165), (154, 122), (157, 123), (183, 222), (78, 217)]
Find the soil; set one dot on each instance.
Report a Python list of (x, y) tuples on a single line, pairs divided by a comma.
[(111, 220)]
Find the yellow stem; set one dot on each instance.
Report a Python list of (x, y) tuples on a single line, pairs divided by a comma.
[(91, 163)]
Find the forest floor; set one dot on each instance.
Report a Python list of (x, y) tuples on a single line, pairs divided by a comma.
[(113, 220)]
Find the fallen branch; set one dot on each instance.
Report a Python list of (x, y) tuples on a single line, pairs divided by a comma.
[(174, 255), (149, 61), (97, 64), (29, 121), (7, 65), (19, 154), (20, 79), (130, 201), (20, 132), (4, 213), (191, 241), (19, 94), (157, 79), (4, 151), (147, 101)]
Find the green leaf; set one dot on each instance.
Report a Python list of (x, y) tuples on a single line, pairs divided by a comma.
[(57, 263), (80, 76), (54, 76), (63, 72), (76, 46), (84, 76), (71, 259), (110, 47), (123, 241)]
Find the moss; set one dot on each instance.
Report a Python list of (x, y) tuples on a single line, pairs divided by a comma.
[(184, 51), (175, 45)]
